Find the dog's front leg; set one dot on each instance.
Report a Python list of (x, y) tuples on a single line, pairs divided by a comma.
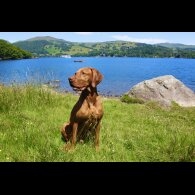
[(97, 137), (74, 135)]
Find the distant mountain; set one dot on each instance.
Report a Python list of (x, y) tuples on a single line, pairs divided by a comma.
[(46, 38), (9, 51), (50, 46), (177, 46), (43, 46)]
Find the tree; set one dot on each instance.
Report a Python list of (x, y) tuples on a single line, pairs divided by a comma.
[(9, 51)]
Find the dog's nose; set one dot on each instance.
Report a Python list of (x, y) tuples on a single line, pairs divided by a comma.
[(70, 79)]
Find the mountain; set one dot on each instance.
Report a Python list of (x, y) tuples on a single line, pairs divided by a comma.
[(46, 38), (177, 46), (9, 51), (50, 46), (43, 46)]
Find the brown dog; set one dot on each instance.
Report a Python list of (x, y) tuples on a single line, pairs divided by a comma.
[(88, 111)]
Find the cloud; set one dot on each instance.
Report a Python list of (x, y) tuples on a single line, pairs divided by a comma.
[(84, 33), (140, 40)]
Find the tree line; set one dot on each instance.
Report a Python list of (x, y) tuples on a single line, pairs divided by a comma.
[(113, 49), (142, 51)]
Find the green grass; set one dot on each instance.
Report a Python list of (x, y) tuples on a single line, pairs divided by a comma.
[(130, 100), (53, 50), (30, 119), (77, 49)]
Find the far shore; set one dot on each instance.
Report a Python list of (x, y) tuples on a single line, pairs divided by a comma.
[(36, 57)]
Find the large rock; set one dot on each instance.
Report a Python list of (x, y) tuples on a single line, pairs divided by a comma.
[(164, 90)]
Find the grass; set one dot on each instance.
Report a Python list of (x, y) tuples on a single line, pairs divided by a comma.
[(53, 50), (131, 100), (77, 49), (30, 119)]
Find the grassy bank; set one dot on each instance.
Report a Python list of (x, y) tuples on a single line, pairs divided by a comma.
[(30, 119)]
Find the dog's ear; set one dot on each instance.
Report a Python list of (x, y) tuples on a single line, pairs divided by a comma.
[(96, 77)]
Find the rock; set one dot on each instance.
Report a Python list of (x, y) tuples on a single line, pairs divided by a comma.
[(56, 81), (164, 90), (53, 83)]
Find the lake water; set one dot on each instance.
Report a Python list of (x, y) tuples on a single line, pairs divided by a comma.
[(120, 74)]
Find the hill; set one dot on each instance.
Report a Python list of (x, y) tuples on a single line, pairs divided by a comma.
[(49, 46), (30, 121), (43, 46), (46, 38), (177, 46), (10, 51)]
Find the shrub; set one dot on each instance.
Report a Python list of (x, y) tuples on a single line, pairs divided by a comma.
[(130, 100)]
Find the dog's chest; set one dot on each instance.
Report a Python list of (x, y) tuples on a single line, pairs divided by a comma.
[(90, 111)]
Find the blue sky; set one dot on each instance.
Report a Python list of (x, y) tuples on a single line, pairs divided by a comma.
[(143, 37)]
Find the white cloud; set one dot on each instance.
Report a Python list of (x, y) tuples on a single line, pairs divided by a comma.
[(140, 40), (84, 33)]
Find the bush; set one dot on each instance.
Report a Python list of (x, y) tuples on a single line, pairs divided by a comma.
[(131, 100)]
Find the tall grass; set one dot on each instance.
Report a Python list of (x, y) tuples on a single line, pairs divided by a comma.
[(31, 116)]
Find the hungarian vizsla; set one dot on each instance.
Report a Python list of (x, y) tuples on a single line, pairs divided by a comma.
[(88, 111)]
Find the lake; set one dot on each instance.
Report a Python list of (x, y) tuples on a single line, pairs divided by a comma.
[(120, 74)]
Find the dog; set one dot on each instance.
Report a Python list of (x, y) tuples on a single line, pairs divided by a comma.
[(87, 113)]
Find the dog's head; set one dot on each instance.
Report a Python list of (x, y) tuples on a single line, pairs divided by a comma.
[(85, 77)]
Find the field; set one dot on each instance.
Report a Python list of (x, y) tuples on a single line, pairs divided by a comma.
[(31, 116), (76, 49)]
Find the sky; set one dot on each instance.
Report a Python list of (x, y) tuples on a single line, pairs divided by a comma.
[(142, 37)]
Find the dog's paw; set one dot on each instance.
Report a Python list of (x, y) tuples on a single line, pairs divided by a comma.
[(69, 147)]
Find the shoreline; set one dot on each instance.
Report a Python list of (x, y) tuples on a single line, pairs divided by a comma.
[(64, 92), (58, 91), (37, 57)]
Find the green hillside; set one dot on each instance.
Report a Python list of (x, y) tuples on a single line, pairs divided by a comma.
[(9, 51), (43, 46), (177, 45), (46, 38), (49, 46)]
